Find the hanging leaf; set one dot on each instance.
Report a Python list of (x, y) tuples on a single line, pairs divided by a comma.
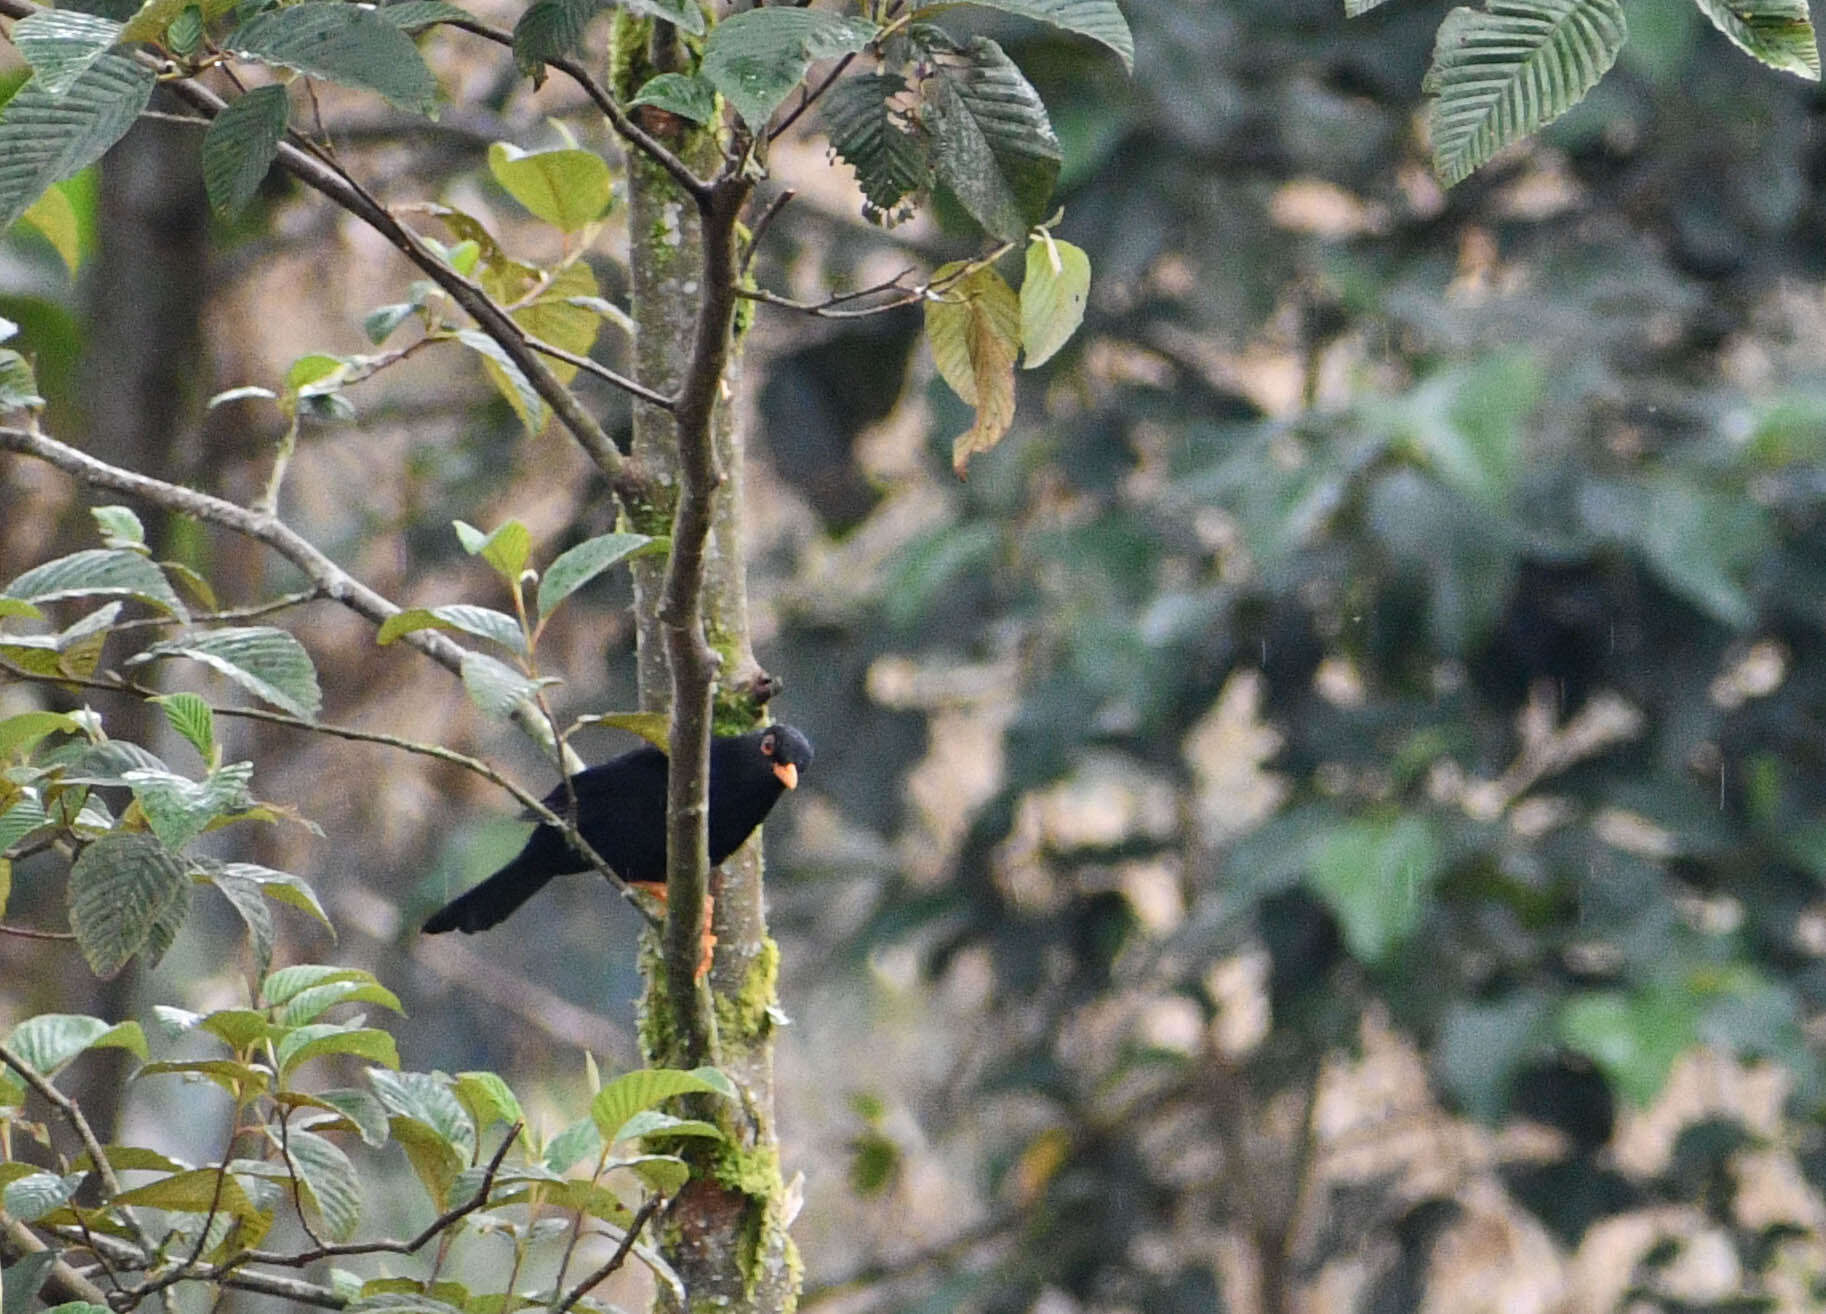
[(99, 572), (279, 886), (1053, 291), (329, 1183), (120, 888), (1502, 72), (875, 134), (509, 380), (1778, 32), (241, 145), (577, 566), (267, 662), (683, 94), (191, 717), (45, 138), (756, 58), (341, 43), (1100, 20), (974, 326), (62, 44), (245, 897), (551, 29), (992, 144)]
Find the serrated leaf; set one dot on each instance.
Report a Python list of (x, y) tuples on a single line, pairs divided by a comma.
[(45, 138), (483, 622), (63, 44), (992, 144), (267, 662), (1053, 293), (508, 378), (240, 146), (185, 32), (342, 43), (31, 1197), (568, 188), (309, 1042), (494, 686), (329, 1182), (47, 1042), (280, 886), (27, 728), (309, 1004), (683, 94), (487, 1098), (1502, 72), (192, 718), (551, 29), (288, 983), (179, 809), (120, 888), (99, 572), (119, 526), (647, 1088), (1777, 32), (756, 58), (1100, 20), (877, 136), (249, 903), (974, 326), (55, 219), (577, 566)]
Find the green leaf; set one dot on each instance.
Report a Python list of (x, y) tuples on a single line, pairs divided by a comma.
[(19, 607), (27, 728), (120, 528), (577, 566), (240, 1080), (1353, 8), (99, 572), (1482, 1046), (756, 58), (54, 217), (50, 1040), (238, 1028), (120, 888), (178, 809), (341, 43), (654, 1123), (1701, 543), (288, 983), (246, 899), (1376, 875), (513, 383), (487, 1099), (20, 819), (198, 1191), (308, 1005), (683, 94), (365, 1114), (1502, 72), (568, 189), (1053, 292), (267, 662), (18, 385), (577, 1141), (1633, 1038), (483, 622), (329, 1182), (494, 686), (380, 322), (686, 14), (1100, 20), (551, 29), (45, 138), (654, 727), (873, 130), (1778, 32), (63, 44), (185, 33), (192, 718), (240, 146), (31, 1197), (992, 144), (664, 1173), (279, 886), (646, 1088), (309, 1042)]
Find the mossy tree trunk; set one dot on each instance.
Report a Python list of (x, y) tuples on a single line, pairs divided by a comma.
[(726, 1233)]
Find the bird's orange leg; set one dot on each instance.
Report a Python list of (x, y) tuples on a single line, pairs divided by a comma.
[(708, 937)]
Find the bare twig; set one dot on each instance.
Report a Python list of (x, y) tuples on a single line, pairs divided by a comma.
[(71, 1112), (761, 226), (26, 933), (642, 1217), (811, 97)]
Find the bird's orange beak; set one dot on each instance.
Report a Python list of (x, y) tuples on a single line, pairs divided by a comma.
[(788, 773)]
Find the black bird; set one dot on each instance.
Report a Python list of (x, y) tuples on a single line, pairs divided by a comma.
[(621, 811)]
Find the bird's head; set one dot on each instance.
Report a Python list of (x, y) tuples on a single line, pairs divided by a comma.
[(788, 750)]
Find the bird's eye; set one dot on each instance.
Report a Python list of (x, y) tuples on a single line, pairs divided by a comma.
[(767, 746)]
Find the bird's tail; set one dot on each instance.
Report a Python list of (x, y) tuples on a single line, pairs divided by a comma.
[(491, 902)]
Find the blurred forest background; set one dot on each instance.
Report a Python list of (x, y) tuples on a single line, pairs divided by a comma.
[(1328, 818)]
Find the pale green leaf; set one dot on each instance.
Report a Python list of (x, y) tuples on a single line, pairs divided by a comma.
[(483, 622), (47, 1042), (309, 1042), (566, 188), (1376, 875), (647, 1088), (1777, 32), (1053, 293), (577, 566), (179, 809), (192, 718), (120, 527), (974, 326), (330, 1184), (494, 686), (510, 380), (683, 94), (54, 217)]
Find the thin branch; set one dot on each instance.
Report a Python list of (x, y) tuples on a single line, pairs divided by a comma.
[(62, 1282), (618, 118), (642, 1216), (328, 578), (832, 307), (761, 226), (632, 387), (254, 611), (71, 1111), (26, 933), (533, 806), (811, 97)]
